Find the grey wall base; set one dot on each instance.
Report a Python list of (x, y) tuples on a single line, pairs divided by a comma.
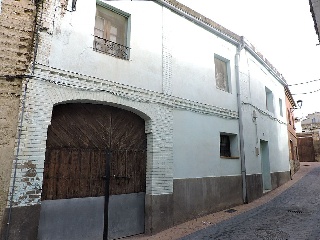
[(279, 178), (254, 186), (191, 198), (197, 197), (24, 223), (76, 218), (159, 213)]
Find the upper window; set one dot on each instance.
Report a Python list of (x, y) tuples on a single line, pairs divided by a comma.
[(110, 33), (289, 116), (269, 99), (222, 76), (280, 107)]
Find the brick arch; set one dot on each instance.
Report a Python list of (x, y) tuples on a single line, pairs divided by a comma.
[(39, 105), (137, 109)]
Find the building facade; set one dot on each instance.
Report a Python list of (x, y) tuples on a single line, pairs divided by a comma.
[(292, 136), (129, 118)]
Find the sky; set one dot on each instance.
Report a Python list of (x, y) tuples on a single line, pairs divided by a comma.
[(283, 31)]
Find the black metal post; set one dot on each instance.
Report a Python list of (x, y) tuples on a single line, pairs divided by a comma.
[(106, 199)]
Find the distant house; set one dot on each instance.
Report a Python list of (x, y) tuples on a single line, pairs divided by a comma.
[(140, 115), (311, 122)]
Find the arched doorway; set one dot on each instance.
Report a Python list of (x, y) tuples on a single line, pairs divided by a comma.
[(94, 177)]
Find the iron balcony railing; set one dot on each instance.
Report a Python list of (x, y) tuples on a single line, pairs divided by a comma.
[(111, 48)]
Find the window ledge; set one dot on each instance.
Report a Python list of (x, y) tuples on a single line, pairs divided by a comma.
[(229, 157)]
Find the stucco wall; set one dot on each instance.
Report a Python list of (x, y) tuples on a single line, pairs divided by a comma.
[(164, 56), (259, 122), (197, 146), (16, 27)]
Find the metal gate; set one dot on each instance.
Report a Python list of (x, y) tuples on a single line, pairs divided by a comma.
[(94, 174)]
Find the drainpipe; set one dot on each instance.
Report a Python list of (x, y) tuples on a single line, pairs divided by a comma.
[(242, 152)]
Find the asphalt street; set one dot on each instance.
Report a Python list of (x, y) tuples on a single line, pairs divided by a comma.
[(294, 214)]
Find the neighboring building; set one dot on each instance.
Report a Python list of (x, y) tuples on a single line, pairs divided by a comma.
[(162, 111), (315, 11), (292, 137), (17, 20)]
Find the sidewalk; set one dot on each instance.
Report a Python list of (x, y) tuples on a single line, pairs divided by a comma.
[(203, 222)]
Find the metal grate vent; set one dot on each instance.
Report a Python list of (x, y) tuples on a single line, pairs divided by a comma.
[(231, 210), (295, 211)]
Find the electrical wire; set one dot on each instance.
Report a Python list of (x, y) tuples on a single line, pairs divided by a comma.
[(301, 83), (306, 92)]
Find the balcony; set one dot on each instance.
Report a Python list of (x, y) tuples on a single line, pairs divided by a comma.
[(111, 48)]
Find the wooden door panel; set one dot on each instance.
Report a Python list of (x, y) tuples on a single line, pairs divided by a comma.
[(78, 139), (74, 173)]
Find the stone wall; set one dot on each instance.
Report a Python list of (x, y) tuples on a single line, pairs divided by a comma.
[(16, 38)]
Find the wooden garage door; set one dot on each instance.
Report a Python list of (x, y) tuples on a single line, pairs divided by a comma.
[(79, 137)]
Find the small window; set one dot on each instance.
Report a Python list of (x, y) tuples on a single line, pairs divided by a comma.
[(280, 107), (289, 116), (110, 33), (228, 145), (292, 150), (294, 127), (221, 73), (269, 99)]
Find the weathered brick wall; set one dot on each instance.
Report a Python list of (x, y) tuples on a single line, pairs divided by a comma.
[(9, 106), (16, 40), (16, 28)]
